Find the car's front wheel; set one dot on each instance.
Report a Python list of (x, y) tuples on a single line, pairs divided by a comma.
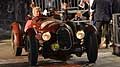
[(32, 49), (92, 47)]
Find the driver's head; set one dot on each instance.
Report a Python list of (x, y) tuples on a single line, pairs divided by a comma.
[(78, 14), (36, 11)]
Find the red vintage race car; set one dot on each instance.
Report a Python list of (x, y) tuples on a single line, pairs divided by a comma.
[(57, 39)]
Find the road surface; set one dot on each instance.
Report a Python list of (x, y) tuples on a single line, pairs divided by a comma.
[(105, 59)]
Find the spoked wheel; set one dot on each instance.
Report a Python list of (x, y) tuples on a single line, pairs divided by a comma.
[(14, 43), (32, 49), (92, 47)]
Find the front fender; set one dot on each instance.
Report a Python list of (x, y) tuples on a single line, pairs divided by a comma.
[(16, 33), (15, 27), (91, 28)]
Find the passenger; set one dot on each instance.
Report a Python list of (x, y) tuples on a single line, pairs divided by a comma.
[(50, 4), (36, 11), (64, 7), (79, 16)]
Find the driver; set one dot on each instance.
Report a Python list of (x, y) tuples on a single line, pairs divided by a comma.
[(78, 16), (36, 12)]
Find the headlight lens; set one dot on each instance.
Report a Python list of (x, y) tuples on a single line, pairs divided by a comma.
[(46, 36), (80, 34), (34, 26)]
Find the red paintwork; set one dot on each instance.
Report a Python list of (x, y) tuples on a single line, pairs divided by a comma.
[(17, 33), (15, 27), (49, 25)]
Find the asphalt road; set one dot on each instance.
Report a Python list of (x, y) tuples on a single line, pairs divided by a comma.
[(105, 59)]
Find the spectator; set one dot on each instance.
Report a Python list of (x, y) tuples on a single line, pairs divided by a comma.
[(91, 11), (102, 16), (50, 4), (83, 4), (64, 8)]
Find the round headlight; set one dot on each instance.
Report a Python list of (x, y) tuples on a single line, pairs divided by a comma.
[(34, 26), (80, 34), (46, 36)]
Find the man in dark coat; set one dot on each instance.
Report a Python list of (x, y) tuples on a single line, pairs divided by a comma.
[(102, 16)]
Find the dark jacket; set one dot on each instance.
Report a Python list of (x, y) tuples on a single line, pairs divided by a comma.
[(103, 10), (116, 6)]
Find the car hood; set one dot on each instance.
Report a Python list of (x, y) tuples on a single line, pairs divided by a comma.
[(50, 25)]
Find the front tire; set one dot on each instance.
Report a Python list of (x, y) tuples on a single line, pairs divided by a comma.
[(32, 49), (92, 47)]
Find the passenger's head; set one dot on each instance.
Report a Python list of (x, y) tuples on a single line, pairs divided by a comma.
[(36, 11)]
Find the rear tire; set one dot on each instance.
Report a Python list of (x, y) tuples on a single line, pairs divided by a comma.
[(17, 50), (92, 47)]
